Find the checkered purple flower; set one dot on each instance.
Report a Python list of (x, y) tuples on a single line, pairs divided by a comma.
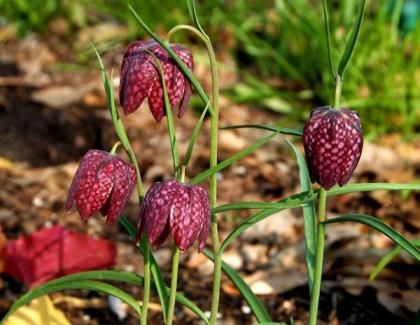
[(103, 182), (333, 141), (140, 78), (180, 209)]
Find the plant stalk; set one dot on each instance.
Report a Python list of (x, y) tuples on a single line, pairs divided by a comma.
[(338, 88), (146, 284), (213, 183), (319, 257), (174, 280), (213, 162)]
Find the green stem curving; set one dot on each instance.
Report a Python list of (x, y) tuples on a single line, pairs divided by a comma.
[(174, 280), (319, 257)]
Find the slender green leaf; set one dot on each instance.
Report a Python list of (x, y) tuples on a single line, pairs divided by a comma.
[(382, 227), (351, 43), (273, 128), (178, 61), (194, 136), (193, 14), (119, 127), (80, 284), (308, 215), (169, 117), (328, 37), (226, 163), (297, 200), (254, 303), (157, 275), (108, 275), (388, 257), (247, 224)]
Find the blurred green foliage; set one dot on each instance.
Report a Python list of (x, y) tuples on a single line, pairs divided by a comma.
[(280, 49)]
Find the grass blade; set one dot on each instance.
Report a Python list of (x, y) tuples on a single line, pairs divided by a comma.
[(226, 163), (273, 128), (308, 215), (193, 14), (80, 284), (194, 136), (382, 227), (103, 275), (388, 257), (351, 43), (328, 36), (254, 303), (297, 200)]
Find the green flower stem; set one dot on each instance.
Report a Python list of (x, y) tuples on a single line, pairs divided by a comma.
[(213, 162), (175, 267), (214, 127), (174, 280), (319, 257), (115, 147), (338, 88), (146, 284)]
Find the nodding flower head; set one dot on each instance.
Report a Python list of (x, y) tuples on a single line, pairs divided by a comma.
[(333, 141), (141, 79), (180, 209), (103, 182)]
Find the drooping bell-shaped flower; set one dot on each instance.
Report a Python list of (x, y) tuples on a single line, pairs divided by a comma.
[(103, 182), (180, 209), (333, 141), (141, 79)]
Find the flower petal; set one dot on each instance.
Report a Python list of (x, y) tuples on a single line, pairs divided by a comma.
[(333, 144), (137, 74), (94, 188), (205, 217), (91, 159), (185, 218), (155, 100), (157, 203), (124, 181)]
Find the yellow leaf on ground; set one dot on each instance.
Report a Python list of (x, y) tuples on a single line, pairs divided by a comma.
[(6, 164), (40, 311)]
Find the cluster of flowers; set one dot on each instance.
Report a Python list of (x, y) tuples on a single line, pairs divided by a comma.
[(103, 182)]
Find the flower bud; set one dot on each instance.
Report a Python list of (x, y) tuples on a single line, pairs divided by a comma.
[(333, 141), (180, 209), (141, 79), (103, 182)]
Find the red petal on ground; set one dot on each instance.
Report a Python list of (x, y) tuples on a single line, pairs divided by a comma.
[(53, 252)]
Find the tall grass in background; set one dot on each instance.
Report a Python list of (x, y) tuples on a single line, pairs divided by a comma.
[(286, 41)]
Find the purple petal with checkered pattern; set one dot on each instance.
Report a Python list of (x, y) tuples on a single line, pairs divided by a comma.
[(176, 207), (102, 182), (205, 217), (333, 141), (124, 182), (140, 78)]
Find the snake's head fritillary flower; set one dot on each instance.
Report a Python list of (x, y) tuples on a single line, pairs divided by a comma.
[(141, 79), (180, 209), (103, 182), (333, 141)]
